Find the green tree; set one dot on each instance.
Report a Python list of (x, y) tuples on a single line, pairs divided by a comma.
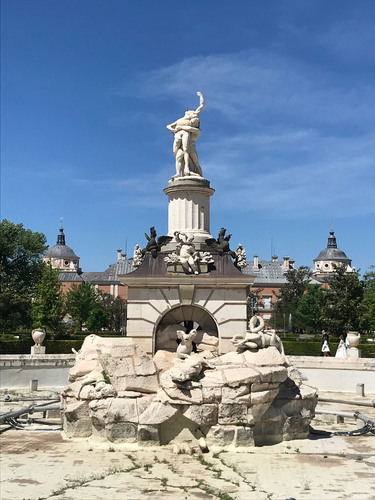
[(310, 307), (97, 319), (295, 287), (368, 304), (47, 310), (115, 311), (21, 267), (344, 298), (80, 301)]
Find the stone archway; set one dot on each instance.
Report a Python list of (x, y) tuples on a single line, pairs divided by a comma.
[(186, 318)]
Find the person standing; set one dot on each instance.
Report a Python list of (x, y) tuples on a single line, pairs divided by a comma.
[(341, 348), (325, 346)]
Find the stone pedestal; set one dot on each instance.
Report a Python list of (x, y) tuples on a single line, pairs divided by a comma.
[(353, 353), (189, 208), (38, 349)]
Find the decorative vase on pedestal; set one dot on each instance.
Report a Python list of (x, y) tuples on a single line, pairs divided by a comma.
[(354, 338), (38, 335)]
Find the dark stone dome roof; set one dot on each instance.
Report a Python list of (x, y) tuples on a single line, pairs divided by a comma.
[(333, 254), (60, 251)]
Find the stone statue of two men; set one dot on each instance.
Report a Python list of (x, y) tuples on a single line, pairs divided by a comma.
[(186, 131)]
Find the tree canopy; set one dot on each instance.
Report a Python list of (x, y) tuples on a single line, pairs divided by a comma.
[(21, 267), (344, 298), (47, 310)]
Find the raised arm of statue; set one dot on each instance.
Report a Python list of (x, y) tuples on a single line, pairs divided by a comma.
[(201, 103)]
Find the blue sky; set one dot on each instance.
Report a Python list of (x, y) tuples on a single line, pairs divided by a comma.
[(287, 140)]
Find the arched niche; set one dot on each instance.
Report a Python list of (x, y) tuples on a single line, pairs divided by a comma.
[(185, 318)]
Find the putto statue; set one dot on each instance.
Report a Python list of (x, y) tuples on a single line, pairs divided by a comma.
[(137, 257), (186, 131), (240, 256), (187, 255)]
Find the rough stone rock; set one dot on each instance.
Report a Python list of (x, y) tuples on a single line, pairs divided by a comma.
[(202, 414), (238, 376), (269, 356), (164, 360), (220, 435), (243, 436), (157, 413), (82, 368), (232, 394), (230, 358), (122, 410), (241, 399), (275, 374), (295, 428), (149, 434), (263, 396), (122, 432), (232, 413), (192, 396), (77, 421)]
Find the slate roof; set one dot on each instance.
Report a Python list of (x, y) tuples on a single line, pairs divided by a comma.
[(110, 275), (267, 272), (70, 276)]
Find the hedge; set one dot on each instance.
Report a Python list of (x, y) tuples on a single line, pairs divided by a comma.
[(292, 348)]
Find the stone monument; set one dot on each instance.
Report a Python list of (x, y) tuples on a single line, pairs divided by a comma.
[(187, 278), (190, 371)]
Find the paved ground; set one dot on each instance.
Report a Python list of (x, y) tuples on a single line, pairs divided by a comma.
[(38, 463)]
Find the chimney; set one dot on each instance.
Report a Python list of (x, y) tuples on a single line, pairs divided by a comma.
[(292, 262), (286, 262), (274, 258), (119, 250), (256, 262), (123, 255)]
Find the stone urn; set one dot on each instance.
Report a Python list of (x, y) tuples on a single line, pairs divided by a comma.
[(353, 338), (38, 336)]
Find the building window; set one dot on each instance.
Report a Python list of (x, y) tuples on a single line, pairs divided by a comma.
[(266, 299)]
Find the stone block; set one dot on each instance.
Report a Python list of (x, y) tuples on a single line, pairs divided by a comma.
[(147, 384), (157, 413), (263, 396), (144, 366), (232, 413), (295, 428), (148, 434), (122, 410), (122, 432), (192, 396), (274, 374), (76, 420), (243, 436), (264, 387), (202, 414), (211, 394), (238, 376), (221, 435), (231, 394)]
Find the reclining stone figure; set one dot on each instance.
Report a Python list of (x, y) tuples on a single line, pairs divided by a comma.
[(257, 338)]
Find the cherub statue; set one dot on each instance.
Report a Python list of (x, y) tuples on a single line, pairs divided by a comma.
[(137, 257), (240, 256), (154, 246), (189, 257)]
